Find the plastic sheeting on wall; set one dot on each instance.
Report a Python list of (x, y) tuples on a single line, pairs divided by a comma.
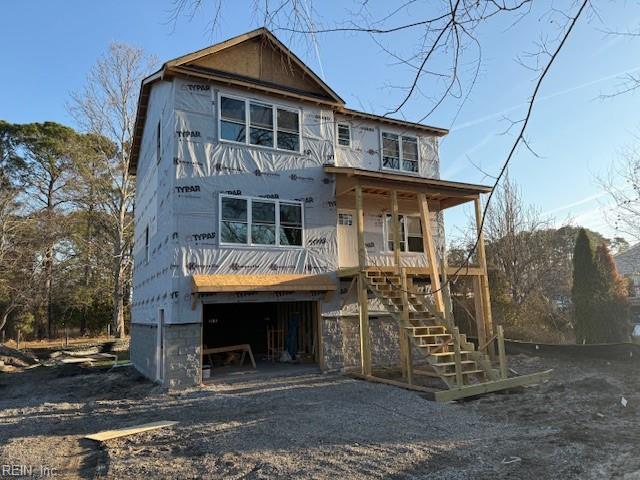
[(182, 197)]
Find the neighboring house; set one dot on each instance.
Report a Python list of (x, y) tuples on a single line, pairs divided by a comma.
[(267, 212), (628, 265)]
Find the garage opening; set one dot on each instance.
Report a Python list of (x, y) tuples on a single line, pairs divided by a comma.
[(234, 334)]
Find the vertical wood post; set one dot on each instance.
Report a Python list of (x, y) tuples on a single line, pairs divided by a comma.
[(395, 229), (363, 301), (501, 353), (319, 339), (484, 279), (18, 340), (479, 308), (430, 252), (405, 339), (457, 356)]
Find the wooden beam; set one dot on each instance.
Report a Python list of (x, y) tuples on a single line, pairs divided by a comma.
[(123, 432), (430, 252), (395, 228), (363, 300), (429, 392), (502, 356), (320, 340), (405, 342), (479, 308), (484, 279), (494, 386)]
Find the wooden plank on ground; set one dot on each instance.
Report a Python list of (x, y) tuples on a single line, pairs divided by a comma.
[(123, 432)]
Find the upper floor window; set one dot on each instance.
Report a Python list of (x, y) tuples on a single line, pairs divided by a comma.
[(410, 233), (146, 244), (260, 221), (344, 134), (399, 152), (258, 123)]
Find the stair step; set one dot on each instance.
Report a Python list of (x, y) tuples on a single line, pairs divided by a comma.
[(444, 354), (453, 364), (464, 372)]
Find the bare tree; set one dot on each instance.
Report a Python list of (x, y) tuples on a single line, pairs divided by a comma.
[(107, 107), (447, 38), (622, 183)]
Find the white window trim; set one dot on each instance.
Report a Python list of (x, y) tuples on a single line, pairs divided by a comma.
[(249, 199), (386, 235), (247, 125), (343, 124), (399, 135)]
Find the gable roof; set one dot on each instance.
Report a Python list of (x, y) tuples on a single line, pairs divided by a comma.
[(259, 61)]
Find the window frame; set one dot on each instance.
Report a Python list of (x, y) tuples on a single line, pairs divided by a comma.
[(276, 202), (247, 122), (386, 234), (343, 124), (400, 153)]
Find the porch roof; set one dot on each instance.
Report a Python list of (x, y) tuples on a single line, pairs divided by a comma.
[(446, 192), (261, 283)]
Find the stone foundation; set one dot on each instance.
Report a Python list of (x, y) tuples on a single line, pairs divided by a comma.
[(182, 353), (341, 342)]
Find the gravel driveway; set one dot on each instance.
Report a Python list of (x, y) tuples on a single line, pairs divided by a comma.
[(304, 424)]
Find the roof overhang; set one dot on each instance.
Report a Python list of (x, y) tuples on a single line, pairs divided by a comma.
[(262, 283), (446, 193)]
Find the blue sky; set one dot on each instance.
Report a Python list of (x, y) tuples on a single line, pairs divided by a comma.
[(50, 46)]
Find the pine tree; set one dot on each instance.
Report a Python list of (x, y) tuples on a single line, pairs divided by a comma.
[(585, 280)]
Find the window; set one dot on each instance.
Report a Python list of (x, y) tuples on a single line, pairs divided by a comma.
[(146, 244), (158, 142), (344, 134), (263, 223), (259, 221), (233, 119), (410, 233), (288, 130), (233, 220), (399, 152), (290, 224), (345, 219), (257, 123), (261, 124)]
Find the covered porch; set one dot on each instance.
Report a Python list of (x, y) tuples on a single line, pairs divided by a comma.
[(409, 255)]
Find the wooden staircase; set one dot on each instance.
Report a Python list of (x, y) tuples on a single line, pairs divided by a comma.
[(448, 353)]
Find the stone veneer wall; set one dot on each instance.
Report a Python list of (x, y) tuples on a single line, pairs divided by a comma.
[(183, 343), (182, 353), (341, 341)]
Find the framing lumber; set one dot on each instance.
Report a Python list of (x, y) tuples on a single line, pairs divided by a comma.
[(319, 338), (494, 386), (430, 252), (348, 272), (363, 300), (502, 356), (479, 314), (484, 280), (123, 432)]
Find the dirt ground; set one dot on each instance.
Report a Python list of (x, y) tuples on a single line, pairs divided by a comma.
[(303, 424)]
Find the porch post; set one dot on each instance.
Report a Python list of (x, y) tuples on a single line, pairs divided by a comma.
[(363, 302), (395, 227), (484, 279), (479, 308), (402, 333), (430, 252)]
